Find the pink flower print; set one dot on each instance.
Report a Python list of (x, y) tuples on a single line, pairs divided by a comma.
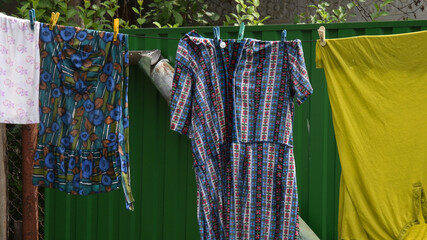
[(37, 66), (21, 70), (3, 50), (2, 93), (21, 92), (29, 59), (30, 102), (23, 26), (29, 36), (3, 27), (9, 61), (21, 48), (8, 104), (2, 72), (1, 114), (21, 113), (10, 40), (30, 81), (8, 83)]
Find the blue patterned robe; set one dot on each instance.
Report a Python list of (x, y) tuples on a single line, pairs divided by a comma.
[(236, 106)]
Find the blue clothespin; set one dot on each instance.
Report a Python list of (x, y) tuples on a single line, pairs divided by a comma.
[(217, 34), (217, 37), (284, 32), (241, 32), (32, 13)]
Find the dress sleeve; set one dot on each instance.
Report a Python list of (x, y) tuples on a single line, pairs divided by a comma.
[(300, 85), (182, 92)]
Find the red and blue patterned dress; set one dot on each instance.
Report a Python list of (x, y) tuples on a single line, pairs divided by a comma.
[(236, 106)]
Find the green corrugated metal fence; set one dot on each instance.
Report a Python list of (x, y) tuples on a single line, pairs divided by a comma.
[(162, 177)]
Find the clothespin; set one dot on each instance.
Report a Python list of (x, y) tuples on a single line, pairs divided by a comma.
[(116, 29), (216, 33), (32, 14), (217, 37), (284, 33), (241, 32), (322, 35), (53, 19)]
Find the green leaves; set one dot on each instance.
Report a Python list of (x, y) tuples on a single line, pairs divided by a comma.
[(246, 11), (323, 15), (157, 24), (351, 5), (178, 17), (86, 14), (141, 21), (256, 3), (239, 8), (370, 11), (161, 13), (379, 12), (385, 3), (251, 10), (174, 13)]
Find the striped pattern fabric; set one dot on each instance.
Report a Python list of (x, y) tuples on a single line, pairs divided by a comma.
[(236, 106)]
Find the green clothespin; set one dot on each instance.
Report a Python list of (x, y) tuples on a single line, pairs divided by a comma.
[(32, 14), (241, 32)]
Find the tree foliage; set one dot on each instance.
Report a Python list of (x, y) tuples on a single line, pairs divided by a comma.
[(246, 11), (367, 10), (99, 15)]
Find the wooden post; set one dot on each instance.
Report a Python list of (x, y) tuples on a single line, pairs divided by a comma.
[(4, 215), (30, 226)]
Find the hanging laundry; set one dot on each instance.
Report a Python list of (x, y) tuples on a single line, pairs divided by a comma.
[(377, 89), (235, 101), (19, 70), (83, 143)]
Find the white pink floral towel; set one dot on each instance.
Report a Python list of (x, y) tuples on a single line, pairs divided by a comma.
[(19, 71)]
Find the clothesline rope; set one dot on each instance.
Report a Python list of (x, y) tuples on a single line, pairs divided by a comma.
[(168, 38)]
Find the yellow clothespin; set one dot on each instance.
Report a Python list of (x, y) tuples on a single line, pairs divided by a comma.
[(53, 19), (116, 29), (322, 35)]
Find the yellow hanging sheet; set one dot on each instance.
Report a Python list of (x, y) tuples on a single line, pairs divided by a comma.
[(377, 88)]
